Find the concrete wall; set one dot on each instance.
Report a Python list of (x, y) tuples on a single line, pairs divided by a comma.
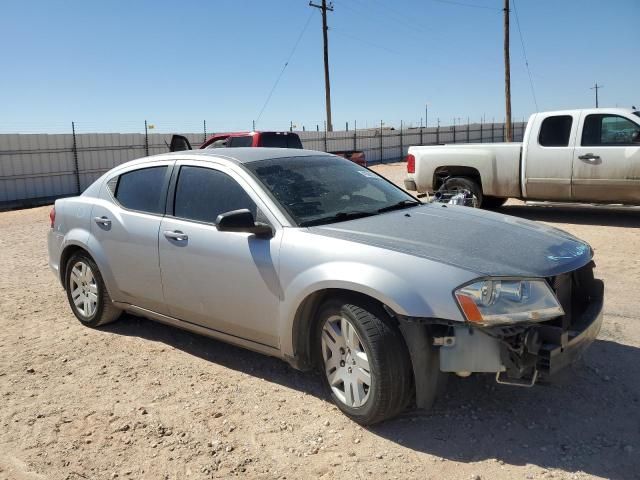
[(37, 168)]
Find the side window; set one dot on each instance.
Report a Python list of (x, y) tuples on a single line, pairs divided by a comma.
[(218, 143), (142, 189), (603, 129), (202, 194), (112, 185), (240, 141), (555, 131)]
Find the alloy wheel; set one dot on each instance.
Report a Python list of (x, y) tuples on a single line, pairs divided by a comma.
[(346, 363), (84, 289)]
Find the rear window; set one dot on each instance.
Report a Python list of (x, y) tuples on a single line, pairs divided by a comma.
[(240, 141), (280, 140), (555, 131), (142, 189)]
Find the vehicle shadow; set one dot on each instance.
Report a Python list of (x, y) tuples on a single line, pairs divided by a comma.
[(611, 216), (588, 420)]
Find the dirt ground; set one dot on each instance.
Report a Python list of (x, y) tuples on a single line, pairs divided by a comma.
[(138, 399)]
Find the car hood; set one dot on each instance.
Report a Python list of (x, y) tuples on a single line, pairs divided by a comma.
[(483, 242)]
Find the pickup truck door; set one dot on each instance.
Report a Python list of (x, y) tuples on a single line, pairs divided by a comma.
[(606, 161), (548, 155)]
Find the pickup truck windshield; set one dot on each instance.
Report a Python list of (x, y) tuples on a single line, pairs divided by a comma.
[(317, 190)]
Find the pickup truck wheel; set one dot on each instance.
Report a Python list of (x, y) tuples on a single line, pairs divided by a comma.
[(364, 361), (86, 292), (463, 183)]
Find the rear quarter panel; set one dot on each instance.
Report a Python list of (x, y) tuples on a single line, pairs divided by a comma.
[(73, 222)]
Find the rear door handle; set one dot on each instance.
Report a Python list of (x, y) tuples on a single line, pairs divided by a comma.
[(176, 235), (104, 221), (589, 157)]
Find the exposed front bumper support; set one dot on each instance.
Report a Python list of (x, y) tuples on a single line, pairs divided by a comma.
[(521, 353)]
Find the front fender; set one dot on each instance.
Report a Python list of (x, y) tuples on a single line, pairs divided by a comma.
[(402, 294)]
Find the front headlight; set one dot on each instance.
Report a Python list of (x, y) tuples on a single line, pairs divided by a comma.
[(497, 302)]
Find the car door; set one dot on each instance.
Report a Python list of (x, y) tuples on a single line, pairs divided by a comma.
[(547, 165), (606, 163), (125, 226), (225, 281)]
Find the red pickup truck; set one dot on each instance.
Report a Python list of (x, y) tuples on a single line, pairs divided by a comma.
[(259, 139)]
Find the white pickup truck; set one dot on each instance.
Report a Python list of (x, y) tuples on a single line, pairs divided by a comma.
[(589, 155)]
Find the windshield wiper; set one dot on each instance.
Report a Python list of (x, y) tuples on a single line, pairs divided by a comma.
[(400, 205), (338, 217)]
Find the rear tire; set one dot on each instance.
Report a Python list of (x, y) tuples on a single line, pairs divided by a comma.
[(87, 293), (363, 359), (464, 183)]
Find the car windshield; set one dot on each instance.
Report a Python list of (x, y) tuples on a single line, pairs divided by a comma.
[(317, 190)]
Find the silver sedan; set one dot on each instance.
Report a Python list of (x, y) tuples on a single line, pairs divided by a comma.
[(313, 259)]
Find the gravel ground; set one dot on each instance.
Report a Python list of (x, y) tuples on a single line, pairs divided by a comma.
[(137, 399)]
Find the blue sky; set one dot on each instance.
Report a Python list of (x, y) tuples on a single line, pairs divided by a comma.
[(110, 65)]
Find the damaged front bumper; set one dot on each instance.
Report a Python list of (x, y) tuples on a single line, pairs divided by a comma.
[(518, 354)]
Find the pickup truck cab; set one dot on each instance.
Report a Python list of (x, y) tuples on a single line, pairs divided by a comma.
[(588, 155)]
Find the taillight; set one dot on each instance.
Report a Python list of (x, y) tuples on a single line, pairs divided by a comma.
[(52, 216), (411, 164)]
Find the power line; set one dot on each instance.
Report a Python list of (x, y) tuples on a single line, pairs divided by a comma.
[(392, 14), (462, 4), (366, 42), (524, 53), (375, 17), (293, 50)]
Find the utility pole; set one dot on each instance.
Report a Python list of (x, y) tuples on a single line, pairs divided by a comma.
[(507, 73), (597, 87), (327, 88)]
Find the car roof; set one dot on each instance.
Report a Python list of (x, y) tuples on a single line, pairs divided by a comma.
[(604, 110), (253, 154), (238, 155)]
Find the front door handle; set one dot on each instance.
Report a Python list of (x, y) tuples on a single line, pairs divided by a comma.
[(104, 221), (176, 235), (589, 157)]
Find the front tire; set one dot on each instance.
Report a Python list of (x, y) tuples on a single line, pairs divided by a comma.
[(87, 293), (364, 361)]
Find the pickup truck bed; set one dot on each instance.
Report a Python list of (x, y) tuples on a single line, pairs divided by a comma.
[(492, 162)]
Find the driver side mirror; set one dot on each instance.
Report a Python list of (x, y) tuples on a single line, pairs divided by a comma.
[(242, 221)]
